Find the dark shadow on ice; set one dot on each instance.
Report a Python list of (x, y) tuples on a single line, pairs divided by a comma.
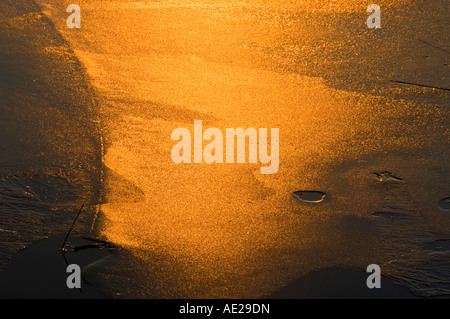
[(39, 271), (342, 284)]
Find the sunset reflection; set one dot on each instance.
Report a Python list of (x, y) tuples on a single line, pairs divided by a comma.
[(311, 69)]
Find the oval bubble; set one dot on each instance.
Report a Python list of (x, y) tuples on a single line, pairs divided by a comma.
[(444, 204), (309, 196)]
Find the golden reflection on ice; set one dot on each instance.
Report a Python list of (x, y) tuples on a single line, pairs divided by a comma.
[(161, 65)]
